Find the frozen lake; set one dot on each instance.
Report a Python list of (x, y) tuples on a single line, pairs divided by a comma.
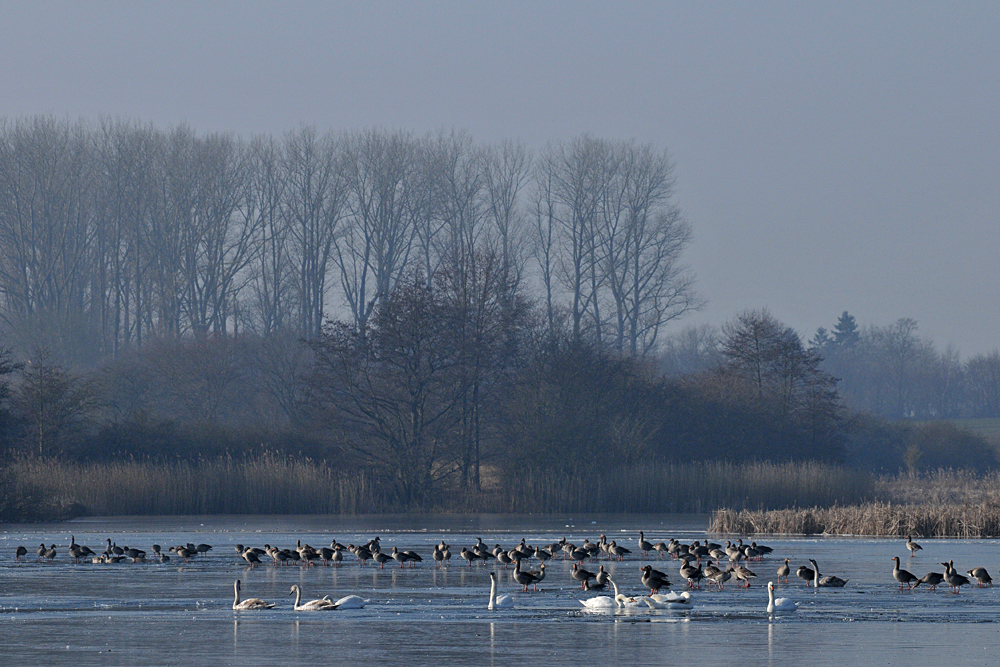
[(180, 613)]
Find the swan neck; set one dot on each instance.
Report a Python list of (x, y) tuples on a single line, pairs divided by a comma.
[(493, 593), (236, 590)]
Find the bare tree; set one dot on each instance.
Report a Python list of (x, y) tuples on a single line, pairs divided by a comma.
[(314, 205), (374, 248)]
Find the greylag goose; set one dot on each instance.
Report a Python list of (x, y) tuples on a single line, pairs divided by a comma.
[(581, 574), (783, 571), (806, 574), (501, 602), (249, 603), (932, 579), (618, 552), (720, 577), (644, 546), (744, 574), (654, 580), (587, 586), (538, 574), (20, 553), (602, 576), (902, 576), (524, 577), (381, 558), (912, 546), (981, 576), (692, 573), (829, 581), (954, 579), (780, 605)]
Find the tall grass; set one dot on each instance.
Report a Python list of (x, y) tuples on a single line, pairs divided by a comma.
[(689, 487), (271, 484), (878, 519), (265, 484)]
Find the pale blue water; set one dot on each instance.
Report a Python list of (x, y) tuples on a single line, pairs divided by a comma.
[(180, 613)]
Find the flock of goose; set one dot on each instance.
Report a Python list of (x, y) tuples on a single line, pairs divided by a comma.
[(700, 563)]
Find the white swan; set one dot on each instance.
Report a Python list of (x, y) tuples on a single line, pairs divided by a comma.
[(502, 602), (249, 603), (621, 600), (779, 606), (351, 602), (673, 601), (323, 604)]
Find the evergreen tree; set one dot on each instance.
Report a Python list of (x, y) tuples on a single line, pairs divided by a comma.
[(845, 332), (821, 340)]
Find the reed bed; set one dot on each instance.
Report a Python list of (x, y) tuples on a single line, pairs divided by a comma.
[(265, 484), (874, 519), (689, 487), (270, 484)]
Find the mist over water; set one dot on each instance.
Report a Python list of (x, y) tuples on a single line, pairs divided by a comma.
[(151, 614)]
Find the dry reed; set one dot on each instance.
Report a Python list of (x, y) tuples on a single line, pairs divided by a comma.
[(875, 519)]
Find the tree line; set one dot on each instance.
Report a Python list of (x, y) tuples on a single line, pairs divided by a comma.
[(116, 233)]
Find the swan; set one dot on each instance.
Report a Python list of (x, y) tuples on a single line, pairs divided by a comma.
[(829, 581), (323, 604), (351, 602), (779, 606), (621, 600), (600, 603), (672, 601), (501, 602), (249, 603)]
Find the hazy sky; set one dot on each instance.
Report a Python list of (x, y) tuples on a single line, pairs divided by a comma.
[(829, 156)]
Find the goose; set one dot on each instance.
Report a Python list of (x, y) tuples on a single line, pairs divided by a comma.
[(580, 574), (501, 602), (660, 548), (744, 574), (20, 553), (720, 577), (644, 546), (251, 557), (542, 554), (249, 603), (323, 604), (981, 576), (136, 555), (538, 574), (468, 556), (587, 586), (912, 546), (692, 573), (203, 548), (602, 576), (618, 552), (672, 601), (50, 553), (902, 576), (783, 571), (779, 606), (954, 579), (503, 558), (654, 580), (42, 549), (932, 579), (524, 578), (382, 558), (579, 555), (829, 581), (805, 573)]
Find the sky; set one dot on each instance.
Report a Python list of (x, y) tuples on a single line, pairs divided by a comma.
[(829, 156)]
